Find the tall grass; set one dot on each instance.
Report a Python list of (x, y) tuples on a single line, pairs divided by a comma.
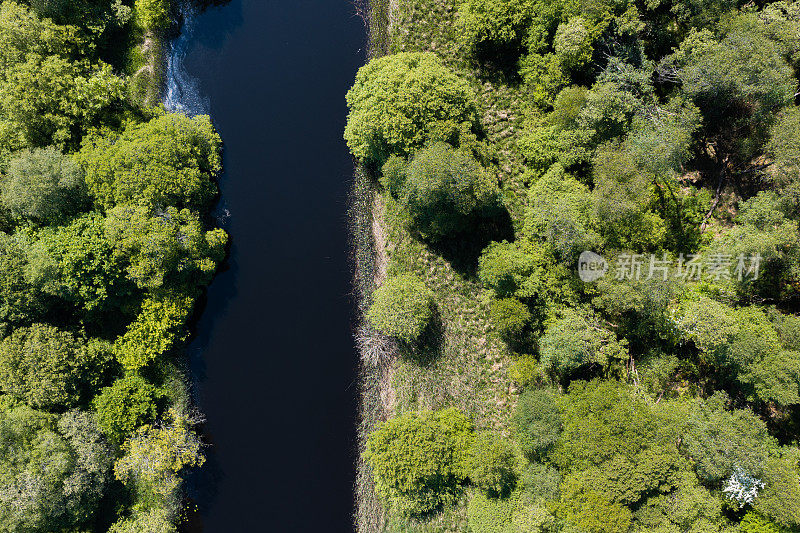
[(374, 350)]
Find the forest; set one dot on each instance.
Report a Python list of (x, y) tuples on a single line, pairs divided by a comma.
[(106, 245), (587, 281)]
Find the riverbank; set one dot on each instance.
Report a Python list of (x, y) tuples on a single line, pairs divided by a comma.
[(368, 245)]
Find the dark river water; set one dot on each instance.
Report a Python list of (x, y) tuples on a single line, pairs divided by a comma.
[(274, 362)]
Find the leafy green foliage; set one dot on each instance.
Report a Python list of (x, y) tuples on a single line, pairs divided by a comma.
[(127, 404), (21, 302), (46, 95), (589, 511), (561, 212), (690, 507), (400, 102), (780, 499), (504, 267), (155, 331), (43, 186), (494, 26), (402, 307), (576, 340), (491, 515), (54, 470), (492, 463), (753, 523), (49, 368), (153, 521), (171, 160), (77, 263), (738, 81), (510, 317), (664, 127), (156, 455), (537, 422), (152, 14), (72, 279), (420, 460), (742, 340), (783, 143), (164, 247), (446, 190), (614, 446), (721, 441)]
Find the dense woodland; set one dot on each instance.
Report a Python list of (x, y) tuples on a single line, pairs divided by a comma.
[(505, 138), (106, 244)]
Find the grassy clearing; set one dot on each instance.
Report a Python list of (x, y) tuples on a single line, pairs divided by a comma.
[(468, 366)]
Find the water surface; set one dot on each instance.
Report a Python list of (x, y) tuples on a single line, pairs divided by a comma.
[(274, 362)]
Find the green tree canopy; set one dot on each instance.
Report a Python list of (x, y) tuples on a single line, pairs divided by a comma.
[(577, 339), (492, 464), (51, 369), (77, 263), (420, 460), (172, 160), (127, 404), (53, 471), (445, 190), (157, 328), (43, 186), (164, 247), (537, 422), (156, 455), (400, 102)]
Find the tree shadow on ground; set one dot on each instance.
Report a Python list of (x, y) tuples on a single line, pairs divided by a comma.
[(463, 250), (429, 347)]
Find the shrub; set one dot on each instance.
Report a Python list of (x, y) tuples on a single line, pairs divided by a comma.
[(492, 463), (445, 190), (537, 422), (400, 102), (510, 317), (420, 460), (402, 307), (525, 370), (49, 368), (127, 404), (43, 186)]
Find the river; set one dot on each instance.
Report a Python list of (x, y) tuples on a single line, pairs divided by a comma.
[(273, 361)]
